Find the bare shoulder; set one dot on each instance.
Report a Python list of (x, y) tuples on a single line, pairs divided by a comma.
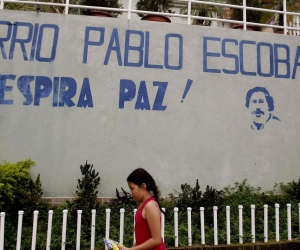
[(152, 206), (151, 203)]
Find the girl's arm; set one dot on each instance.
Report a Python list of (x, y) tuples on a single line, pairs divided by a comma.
[(152, 214)]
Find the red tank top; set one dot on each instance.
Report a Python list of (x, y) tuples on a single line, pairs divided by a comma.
[(142, 230)]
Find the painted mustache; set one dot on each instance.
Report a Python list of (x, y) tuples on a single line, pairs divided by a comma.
[(258, 112)]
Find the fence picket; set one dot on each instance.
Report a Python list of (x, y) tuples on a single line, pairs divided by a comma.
[(215, 212), (266, 223), (277, 221), (134, 212), (34, 230), (93, 226), (202, 225), (228, 224), (64, 230), (299, 217), (107, 224), (176, 225), (241, 224), (78, 235), (122, 211), (19, 233), (253, 223), (189, 215), (2, 221), (49, 231), (163, 224), (289, 225)]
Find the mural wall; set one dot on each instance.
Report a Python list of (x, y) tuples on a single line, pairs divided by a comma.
[(184, 102)]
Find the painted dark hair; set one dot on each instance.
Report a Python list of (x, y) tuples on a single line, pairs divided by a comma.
[(140, 176), (269, 98)]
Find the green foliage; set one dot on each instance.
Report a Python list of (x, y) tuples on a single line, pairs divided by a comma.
[(22, 7), (86, 193), (85, 200), (123, 200), (168, 204), (102, 3), (251, 15), (292, 189), (154, 5), (18, 191), (291, 6), (42, 8), (194, 198), (204, 10)]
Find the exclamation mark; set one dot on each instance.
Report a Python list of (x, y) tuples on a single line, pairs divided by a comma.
[(187, 88)]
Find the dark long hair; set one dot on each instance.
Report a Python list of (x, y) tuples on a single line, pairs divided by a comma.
[(140, 176), (269, 98)]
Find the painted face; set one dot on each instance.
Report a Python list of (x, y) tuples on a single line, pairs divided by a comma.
[(258, 106), (136, 191)]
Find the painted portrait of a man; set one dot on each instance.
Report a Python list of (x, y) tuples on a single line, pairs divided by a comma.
[(261, 105)]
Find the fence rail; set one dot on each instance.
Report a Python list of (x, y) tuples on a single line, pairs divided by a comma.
[(292, 27), (176, 210)]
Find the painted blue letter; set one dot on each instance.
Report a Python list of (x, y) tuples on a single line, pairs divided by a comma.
[(43, 88), (21, 41), (85, 98), (4, 88), (138, 49), (38, 56), (206, 54), (180, 52), (5, 39), (146, 63), (65, 95), (114, 39), (127, 91), (247, 73), (297, 62), (24, 87), (271, 59), (226, 55), (162, 87), (282, 61), (142, 100), (87, 42)]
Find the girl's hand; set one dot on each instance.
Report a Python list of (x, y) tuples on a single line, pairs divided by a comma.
[(121, 247)]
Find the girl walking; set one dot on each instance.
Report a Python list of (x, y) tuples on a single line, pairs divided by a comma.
[(148, 216)]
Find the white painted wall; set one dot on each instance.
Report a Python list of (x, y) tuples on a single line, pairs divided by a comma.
[(207, 136)]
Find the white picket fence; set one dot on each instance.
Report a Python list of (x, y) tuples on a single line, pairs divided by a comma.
[(293, 27), (122, 214)]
